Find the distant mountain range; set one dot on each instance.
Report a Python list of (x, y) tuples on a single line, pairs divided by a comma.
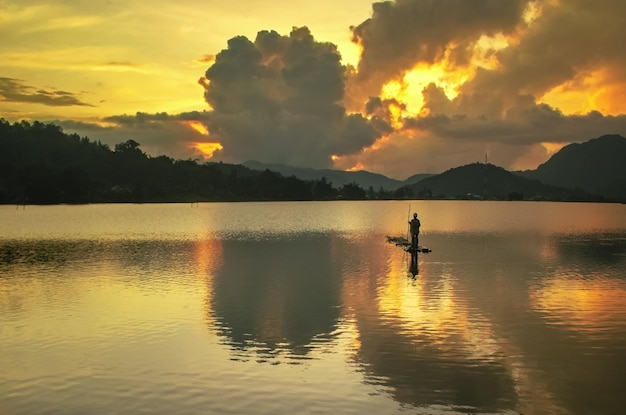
[(338, 178), (40, 164), (593, 170)]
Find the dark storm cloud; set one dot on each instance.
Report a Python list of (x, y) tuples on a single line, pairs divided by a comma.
[(484, 118), (566, 42), (436, 101), (282, 98), (569, 44), (382, 108), (158, 133), (541, 123), (15, 90), (139, 118), (144, 119), (279, 98), (403, 33), (569, 41), (513, 140)]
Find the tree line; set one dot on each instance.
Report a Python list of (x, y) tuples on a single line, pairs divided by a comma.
[(41, 164)]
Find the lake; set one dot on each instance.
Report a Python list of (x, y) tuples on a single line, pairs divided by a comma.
[(305, 308)]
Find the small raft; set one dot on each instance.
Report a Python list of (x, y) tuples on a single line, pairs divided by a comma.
[(404, 243)]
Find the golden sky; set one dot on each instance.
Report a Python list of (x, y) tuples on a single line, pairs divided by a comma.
[(401, 87)]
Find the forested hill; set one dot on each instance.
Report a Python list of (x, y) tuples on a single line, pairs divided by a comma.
[(40, 164), (597, 166), (486, 181)]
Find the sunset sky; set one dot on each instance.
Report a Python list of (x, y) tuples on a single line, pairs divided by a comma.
[(398, 88)]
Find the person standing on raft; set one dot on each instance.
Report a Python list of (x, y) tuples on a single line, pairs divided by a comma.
[(415, 230)]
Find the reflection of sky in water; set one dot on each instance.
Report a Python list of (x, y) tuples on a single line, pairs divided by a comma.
[(586, 289), (257, 220), (297, 307)]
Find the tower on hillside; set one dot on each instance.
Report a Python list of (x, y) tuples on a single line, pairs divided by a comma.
[(485, 179)]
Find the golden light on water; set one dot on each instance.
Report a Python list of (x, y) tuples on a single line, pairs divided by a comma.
[(207, 256), (582, 304), (419, 310)]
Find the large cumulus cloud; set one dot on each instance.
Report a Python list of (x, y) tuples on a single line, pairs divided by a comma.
[(571, 41), (403, 33), (557, 75), (278, 98), (570, 47)]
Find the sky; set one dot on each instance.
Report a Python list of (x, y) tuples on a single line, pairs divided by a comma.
[(398, 88)]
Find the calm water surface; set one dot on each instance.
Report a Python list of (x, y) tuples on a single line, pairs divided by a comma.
[(304, 308)]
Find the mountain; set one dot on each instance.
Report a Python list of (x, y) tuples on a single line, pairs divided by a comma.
[(416, 178), (593, 170), (597, 166), (486, 180), (338, 178)]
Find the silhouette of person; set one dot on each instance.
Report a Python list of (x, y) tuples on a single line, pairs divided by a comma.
[(415, 231)]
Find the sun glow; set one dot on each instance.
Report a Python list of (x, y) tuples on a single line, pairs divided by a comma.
[(446, 74), (197, 126), (552, 148), (357, 167), (595, 90), (207, 149), (484, 55), (409, 89), (532, 12), (353, 162)]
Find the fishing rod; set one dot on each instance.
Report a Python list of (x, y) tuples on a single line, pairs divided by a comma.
[(408, 230), (408, 226)]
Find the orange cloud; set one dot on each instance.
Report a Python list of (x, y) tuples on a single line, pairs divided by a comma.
[(597, 90), (361, 160), (357, 167), (197, 126), (447, 74), (207, 148)]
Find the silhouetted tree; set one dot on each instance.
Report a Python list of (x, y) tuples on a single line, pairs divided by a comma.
[(352, 191), (39, 163), (403, 192), (323, 190)]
